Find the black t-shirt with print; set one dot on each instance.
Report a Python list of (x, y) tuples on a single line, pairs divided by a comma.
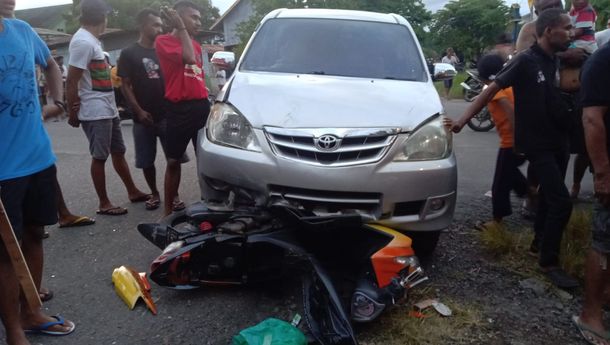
[(595, 84), (541, 119), (141, 66)]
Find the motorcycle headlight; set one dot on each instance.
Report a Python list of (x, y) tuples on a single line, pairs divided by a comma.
[(431, 141), (226, 126)]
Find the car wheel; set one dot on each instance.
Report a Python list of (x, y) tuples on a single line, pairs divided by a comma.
[(424, 242)]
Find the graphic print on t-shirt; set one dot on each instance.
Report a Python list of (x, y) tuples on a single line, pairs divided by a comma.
[(151, 68), (193, 71), (14, 97), (100, 76)]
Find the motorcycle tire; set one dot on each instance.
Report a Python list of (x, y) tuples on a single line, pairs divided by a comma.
[(481, 122), (469, 96)]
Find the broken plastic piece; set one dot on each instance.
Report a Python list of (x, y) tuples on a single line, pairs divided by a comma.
[(131, 285), (442, 309)]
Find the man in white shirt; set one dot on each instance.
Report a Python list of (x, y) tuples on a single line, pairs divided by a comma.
[(602, 37), (91, 104)]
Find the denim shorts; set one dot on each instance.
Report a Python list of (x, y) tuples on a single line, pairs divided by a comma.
[(600, 230)]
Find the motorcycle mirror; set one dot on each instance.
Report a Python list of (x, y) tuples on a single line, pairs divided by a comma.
[(443, 71)]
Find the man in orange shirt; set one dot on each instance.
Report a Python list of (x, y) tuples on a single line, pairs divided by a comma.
[(507, 176)]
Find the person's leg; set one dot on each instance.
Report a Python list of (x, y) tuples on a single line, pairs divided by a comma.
[(172, 184), (145, 143), (99, 133), (501, 187), (596, 279), (12, 194), (518, 181), (117, 152), (67, 218), (558, 203)]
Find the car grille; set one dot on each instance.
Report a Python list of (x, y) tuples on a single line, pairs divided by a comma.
[(351, 146), (331, 201)]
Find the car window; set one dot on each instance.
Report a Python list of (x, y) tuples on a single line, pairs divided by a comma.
[(348, 48)]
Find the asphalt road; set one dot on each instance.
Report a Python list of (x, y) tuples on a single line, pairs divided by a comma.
[(79, 261)]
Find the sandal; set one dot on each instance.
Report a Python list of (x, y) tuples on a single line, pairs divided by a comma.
[(591, 336), (44, 328), (152, 203), (45, 294), (178, 205), (113, 211)]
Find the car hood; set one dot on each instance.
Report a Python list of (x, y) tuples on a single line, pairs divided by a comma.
[(312, 101)]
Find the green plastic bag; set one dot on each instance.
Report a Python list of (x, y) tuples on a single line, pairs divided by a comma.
[(270, 332)]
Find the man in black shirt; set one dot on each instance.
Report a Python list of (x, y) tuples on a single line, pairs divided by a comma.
[(143, 89), (541, 132), (596, 119)]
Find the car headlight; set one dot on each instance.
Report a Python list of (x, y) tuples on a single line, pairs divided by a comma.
[(226, 126), (431, 141)]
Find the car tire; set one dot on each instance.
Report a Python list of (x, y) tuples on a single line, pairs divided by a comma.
[(424, 242)]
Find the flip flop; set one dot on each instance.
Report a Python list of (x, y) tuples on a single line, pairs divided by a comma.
[(591, 336), (80, 221), (152, 204), (141, 198), (178, 205), (45, 295), (113, 211), (44, 328)]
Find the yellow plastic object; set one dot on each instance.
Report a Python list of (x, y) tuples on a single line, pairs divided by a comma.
[(131, 285)]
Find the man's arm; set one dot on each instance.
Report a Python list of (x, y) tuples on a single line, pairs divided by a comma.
[(509, 109), (73, 101), (142, 115), (54, 80), (595, 137), (476, 106), (527, 37), (573, 57), (188, 52)]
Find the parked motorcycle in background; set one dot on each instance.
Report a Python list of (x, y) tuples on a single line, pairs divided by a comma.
[(481, 122)]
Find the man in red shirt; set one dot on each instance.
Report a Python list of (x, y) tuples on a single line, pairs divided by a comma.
[(186, 97)]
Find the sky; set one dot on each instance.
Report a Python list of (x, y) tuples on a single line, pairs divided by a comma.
[(223, 5)]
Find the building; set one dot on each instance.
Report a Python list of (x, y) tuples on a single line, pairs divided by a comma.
[(240, 11), (50, 18)]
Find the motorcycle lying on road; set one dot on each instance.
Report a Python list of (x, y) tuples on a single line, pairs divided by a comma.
[(350, 271), (473, 86)]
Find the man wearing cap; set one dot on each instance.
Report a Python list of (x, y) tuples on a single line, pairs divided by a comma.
[(27, 169), (187, 105), (91, 104)]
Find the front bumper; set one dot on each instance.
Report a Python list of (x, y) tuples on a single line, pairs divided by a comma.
[(418, 196)]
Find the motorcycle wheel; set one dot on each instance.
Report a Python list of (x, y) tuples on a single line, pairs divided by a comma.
[(469, 95), (481, 122)]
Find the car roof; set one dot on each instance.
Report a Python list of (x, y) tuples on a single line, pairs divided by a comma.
[(337, 14)]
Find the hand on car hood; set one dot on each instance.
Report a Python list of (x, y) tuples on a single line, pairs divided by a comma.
[(313, 101)]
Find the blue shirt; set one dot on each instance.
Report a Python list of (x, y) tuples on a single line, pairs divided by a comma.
[(25, 148)]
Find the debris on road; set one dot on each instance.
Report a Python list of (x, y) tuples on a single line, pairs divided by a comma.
[(131, 286)]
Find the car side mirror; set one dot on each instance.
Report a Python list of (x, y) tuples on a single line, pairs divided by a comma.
[(443, 71)]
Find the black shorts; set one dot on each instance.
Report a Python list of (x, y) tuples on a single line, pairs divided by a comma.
[(184, 120), (30, 200)]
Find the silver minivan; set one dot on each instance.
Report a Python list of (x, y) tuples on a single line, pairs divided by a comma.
[(333, 111)]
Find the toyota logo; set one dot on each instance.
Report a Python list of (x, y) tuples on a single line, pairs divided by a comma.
[(328, 142)]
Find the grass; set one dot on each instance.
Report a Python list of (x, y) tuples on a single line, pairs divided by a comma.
[(397, 327), (456, 89), (510, 246)]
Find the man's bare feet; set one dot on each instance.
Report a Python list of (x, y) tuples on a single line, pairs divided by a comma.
[(138, 196)]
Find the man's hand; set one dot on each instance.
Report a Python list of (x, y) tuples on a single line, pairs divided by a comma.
[(73, 115), (173, 18), (454, 126), (145, 118), (50, 111), (602, 188), (573, 57)]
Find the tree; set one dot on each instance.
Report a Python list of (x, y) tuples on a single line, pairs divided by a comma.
[(125, 12), (469, 26)]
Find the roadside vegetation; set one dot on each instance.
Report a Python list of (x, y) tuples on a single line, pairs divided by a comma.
[(510, 246), (401, 326), (456, 90)]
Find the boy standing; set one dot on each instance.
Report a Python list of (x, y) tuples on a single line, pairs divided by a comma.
[(583, 19), (91, 103)]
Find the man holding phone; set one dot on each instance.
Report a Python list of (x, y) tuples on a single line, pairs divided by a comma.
[(186, 97)]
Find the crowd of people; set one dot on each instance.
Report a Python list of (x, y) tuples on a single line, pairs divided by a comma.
[(162, 82)]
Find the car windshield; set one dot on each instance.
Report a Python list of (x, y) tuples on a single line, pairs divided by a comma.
[(347, 48)]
